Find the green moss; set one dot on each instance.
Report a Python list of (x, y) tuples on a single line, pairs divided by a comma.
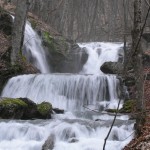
[(44, 108), (11, 101), (50, 42), (128, 106), (33, 24)]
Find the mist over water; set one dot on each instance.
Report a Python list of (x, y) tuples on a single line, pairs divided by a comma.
[(76, 129)]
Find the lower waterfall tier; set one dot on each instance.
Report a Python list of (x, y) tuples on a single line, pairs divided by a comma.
[(67, 91)]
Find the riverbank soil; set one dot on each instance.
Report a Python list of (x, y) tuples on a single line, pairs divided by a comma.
[(143, 141)]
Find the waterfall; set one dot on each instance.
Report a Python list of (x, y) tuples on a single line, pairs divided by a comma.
[(34, 51), (74, 90), (77, 128)]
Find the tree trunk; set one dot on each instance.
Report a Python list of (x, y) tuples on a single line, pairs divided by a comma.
[(18, 30), (137, 65)]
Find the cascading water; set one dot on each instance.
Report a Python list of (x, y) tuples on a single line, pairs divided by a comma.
[(77, 128), (74, 90), (99, 52), (34, 51)]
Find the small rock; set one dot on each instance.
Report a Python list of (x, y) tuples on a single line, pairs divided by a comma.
[(58, 111), (73, 140), (49, 143)]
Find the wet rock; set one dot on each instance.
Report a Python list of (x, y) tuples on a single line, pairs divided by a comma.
[(112, 68), (121, 55), (49, 143), (58, 111), (73, 140), (31, 111)]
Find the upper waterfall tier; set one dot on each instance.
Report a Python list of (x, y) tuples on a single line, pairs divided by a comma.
[(98, 53), (34, 51), (65, 91)]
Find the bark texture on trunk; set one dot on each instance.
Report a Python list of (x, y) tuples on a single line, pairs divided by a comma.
[(18, 29), (138, 66)]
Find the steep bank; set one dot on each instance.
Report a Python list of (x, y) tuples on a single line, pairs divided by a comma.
[(142, 141), (6, 69)]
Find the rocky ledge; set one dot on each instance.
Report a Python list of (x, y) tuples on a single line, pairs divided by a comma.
[(24, 108)]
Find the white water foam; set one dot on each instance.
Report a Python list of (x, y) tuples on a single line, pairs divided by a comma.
[(30, 135), (34, 51)]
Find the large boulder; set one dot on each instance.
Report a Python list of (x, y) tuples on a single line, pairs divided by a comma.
[(24, 108), (65, 55), (112, 68)]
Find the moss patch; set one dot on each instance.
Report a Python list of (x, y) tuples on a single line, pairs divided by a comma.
[(12, 108), (11, 101), (44, 108), (49, 41), (128, 106), (111, 110)]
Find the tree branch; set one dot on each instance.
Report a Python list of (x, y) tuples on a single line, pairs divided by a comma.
[(111, 125)]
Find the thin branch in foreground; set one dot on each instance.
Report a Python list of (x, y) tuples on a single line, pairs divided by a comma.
[(111, 125)]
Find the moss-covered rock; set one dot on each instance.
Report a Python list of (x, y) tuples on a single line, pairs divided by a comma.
[(24, 108), (11, 101), (111, 110), (12, 108), (128, 106), (65, 55), (45, 110)]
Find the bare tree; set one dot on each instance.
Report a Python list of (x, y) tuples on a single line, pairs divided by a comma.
[(137, 64), (18, 30)]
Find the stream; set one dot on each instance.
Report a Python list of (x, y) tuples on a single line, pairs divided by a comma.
[(84, 97)]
